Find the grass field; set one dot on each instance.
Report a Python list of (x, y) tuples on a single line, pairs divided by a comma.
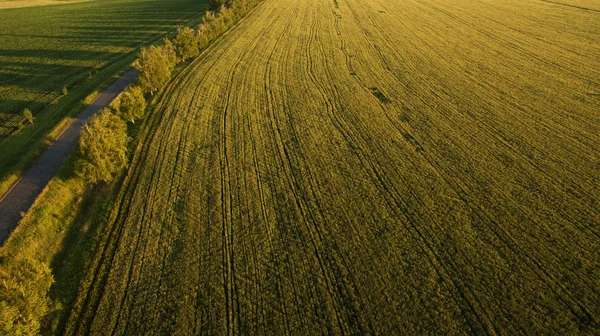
[(366, 167), (46, 48), (34, 3), (80, 46)]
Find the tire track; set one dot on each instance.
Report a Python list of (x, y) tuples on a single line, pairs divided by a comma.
[(545, 276), (395, 202)]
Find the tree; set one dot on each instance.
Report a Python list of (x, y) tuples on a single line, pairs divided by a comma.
[(215, 4), (131, 104), (169, 50), (155, 65), (23, 295), (186, 44), (65, 91), (28, 115), (102, 147)]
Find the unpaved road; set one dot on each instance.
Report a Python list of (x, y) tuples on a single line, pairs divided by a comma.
[(24, 193)]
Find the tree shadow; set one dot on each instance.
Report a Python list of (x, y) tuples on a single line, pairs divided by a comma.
[(45, 48), (71, 264)]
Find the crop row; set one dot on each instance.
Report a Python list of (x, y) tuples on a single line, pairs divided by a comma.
[(366, 166), (45, 49)]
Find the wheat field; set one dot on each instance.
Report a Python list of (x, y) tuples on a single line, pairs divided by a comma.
[(366, 167)]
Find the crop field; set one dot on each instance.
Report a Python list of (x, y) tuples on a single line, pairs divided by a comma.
[(33, 3), (46, 48), (366, 167)]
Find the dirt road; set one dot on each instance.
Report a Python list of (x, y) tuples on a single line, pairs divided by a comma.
[(24, 193)]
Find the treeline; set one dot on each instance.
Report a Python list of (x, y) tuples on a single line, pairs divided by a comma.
[(102, 155), (25, 273), (156, 63)]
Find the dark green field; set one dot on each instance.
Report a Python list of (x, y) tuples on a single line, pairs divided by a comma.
[(79, 46)]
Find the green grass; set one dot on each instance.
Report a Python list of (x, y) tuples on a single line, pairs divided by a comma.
[(59, 235), (366, 167), (82, 47)]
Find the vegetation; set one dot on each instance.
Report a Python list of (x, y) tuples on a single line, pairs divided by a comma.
[(155, 65), (81, 46), (33, 3), (29, 265), (375, 174), (216, 4), (25, 259), (26, 288), (28, 116), (80, 39), (131, 104), (57, 237), (186, 44), (360, 170), (102, 147)]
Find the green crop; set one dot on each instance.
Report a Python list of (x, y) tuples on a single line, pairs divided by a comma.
[(366, 167)]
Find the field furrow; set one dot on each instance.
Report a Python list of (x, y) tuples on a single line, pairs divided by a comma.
[(366, 167)]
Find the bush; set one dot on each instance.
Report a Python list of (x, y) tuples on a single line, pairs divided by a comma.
[(102, 148), (131, 104)]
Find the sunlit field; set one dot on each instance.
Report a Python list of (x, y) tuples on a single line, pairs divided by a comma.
[(366, 167)]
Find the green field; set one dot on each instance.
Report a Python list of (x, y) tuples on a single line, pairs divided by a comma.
[(366, 167), (44, 49), (4, 4), (80, 46)]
